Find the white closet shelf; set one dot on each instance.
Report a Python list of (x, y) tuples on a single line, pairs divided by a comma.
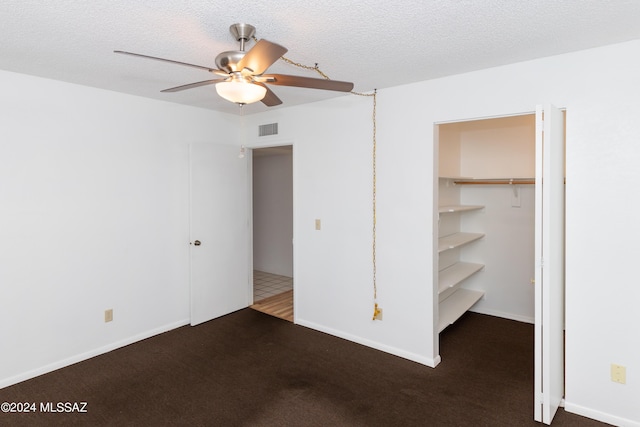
[(456, 305), (458, 208), (456, 273), (455, 240), (456, 177)]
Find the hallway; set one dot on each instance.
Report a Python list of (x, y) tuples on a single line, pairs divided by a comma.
[(273, 295)]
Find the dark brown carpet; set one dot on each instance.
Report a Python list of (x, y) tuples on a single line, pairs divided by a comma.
[(251, 369)]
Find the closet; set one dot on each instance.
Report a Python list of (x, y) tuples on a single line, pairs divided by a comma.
[(486, 218)]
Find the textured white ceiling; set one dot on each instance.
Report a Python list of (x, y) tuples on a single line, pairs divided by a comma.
[(374, 43)]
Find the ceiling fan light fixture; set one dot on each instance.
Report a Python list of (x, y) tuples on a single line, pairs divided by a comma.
[(241, 73), (240, 91)]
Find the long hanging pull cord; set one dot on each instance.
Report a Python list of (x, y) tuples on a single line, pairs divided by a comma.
[(376, 310)]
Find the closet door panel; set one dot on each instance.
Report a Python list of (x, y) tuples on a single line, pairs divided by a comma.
[(549, 312)]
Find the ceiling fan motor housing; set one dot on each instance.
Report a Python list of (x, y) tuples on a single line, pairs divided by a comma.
[(228, 60)]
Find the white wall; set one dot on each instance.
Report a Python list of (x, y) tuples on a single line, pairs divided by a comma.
[(332, 182), (332, 168), (94, 214), (507, 250), (273, 214)]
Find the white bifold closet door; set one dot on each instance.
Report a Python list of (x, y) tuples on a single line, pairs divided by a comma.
[(549, 272), (219, 231)]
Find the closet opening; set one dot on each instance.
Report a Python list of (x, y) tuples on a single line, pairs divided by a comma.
[(486, 211), (272, 201)]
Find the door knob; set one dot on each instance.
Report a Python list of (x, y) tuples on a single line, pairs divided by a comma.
[(197, 243)]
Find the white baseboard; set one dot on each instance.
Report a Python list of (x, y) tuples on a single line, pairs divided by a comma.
[(600, 416), (509, 316), (432, 363), (89, 354)]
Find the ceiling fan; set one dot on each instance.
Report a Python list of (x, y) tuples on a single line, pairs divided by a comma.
[(242, 79)]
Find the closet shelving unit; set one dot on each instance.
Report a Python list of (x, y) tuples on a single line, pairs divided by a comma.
[(454, 300), (474, 159)]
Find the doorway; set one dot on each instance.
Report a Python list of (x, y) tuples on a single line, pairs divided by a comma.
[(272, 234), (486, 232), (501, 231)]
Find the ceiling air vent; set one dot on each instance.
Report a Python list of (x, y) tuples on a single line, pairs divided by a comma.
[(266, 130)]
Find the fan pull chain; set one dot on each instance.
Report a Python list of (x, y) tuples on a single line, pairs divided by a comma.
[(306, 67), (376, 310)]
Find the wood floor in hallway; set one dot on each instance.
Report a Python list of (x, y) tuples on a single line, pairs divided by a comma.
[(280, 305)]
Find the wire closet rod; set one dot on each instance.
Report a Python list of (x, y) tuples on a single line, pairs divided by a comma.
[(502, 181)]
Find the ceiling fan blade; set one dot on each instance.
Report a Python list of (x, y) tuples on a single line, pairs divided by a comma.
[(192, 85), (261, 56), (213, 70), (270, 99), (299, 81)]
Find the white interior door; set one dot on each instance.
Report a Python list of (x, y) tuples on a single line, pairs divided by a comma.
[(549, 274), (219, 232)]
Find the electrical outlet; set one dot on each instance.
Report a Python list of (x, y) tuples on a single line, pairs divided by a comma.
[(108, 315), (618, 374), (318, 225), (378, 314)]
